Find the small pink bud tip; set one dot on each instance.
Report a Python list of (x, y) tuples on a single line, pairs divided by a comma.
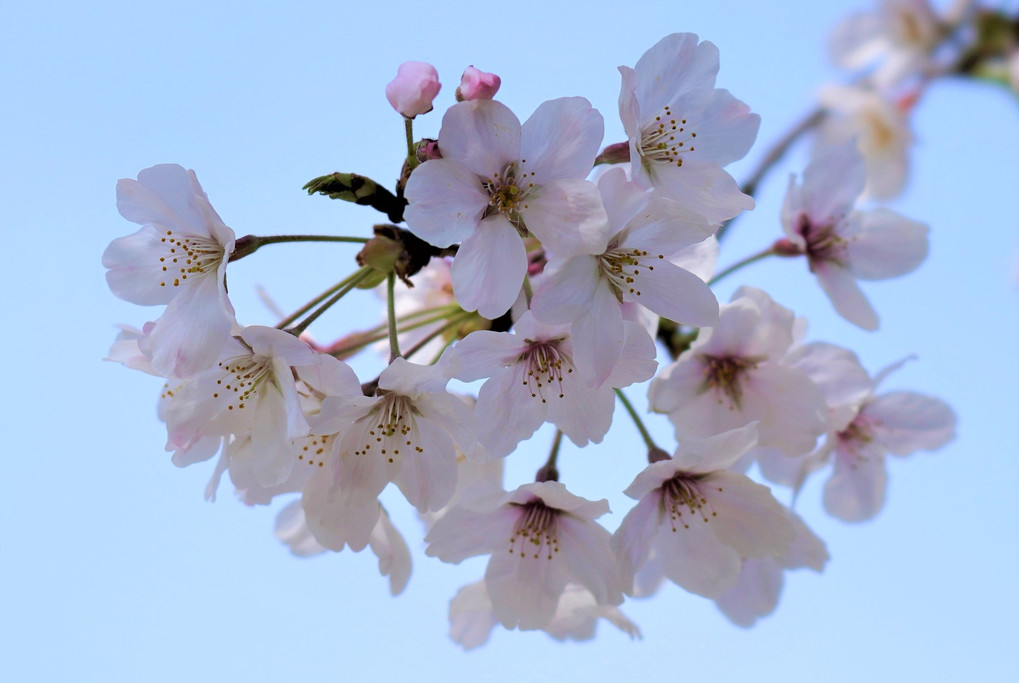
[(476, 84), (412, 91)]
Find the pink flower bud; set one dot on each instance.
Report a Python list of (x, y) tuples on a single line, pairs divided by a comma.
[(475, 84), (412, 91)]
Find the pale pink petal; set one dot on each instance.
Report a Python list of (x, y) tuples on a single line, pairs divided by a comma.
[(845, 295), (339, 516), (507, 413), (561, 139), (672, 67), (585, 546), (882, 244), (598, 336), (463, 533), (632, 541), (483, 353), (483, 135), (489, 268), (446, 202), (674, 294), (755, 594), (583, 414), (167, 195), (856, 490), (724, 126), (832, 182), (427, 477), (693, 557), (749, 519), (470, 616), (790, 407), (567, 216), (906, 422), (703, 187), (394, 556), (525, 590), (565, 290)]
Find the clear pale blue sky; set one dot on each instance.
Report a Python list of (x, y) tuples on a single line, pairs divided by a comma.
[(115, 569)]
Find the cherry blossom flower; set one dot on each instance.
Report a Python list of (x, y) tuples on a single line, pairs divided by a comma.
[(734, 374), (632, 264), (412, 91), (249, 393), (471, 617), (532, 380), (898, 422), (385, 541), (541, 538), (881, 130), (756, 592), (902, 34), (499, 181), (406, 434), (177, 258), (843, 244), (682, 130), (701, 519)]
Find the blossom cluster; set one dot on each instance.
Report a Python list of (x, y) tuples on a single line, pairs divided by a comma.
[(531, 274)]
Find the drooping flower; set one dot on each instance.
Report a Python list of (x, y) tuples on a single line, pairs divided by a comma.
[(497, 182), (177, 258), (541, 538), (701, 519), (842, 244), (250, 393), (385, 541), (412, 91), (407, 433), (682, 130), (533, 380), (471, 617), (632, 264), (734, 374)]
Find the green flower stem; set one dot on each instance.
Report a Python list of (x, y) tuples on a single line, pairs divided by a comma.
[(249, 244), (412, 157), (382, 332), (644, 434), (764, 253), (394, 345), (341, 290)]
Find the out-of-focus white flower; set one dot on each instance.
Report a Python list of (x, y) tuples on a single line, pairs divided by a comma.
[(682, 129), (842, 244), (498, 181), (902, 34), (882, 134), (701, 519), (177, 258), (552, 541)]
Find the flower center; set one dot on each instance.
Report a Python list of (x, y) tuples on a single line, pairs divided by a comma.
[(187, 255), (391, 426), (681, 496), (535, 533), (622, 266), (241, 378), (507, 193), (726, 374), (823, 244), (545, 366), (664, 138)]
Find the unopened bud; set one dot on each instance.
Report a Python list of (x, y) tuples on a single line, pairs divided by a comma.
[(380, 254), (427, 149), (412, 91), (476, 84)]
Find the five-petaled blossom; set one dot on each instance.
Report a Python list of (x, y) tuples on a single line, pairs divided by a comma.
[(701, 519), (497, 182), (177, 258), (541, 538), (682, 129), (843, 244)]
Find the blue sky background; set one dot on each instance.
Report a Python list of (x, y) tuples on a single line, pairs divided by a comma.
[(115, 569)]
